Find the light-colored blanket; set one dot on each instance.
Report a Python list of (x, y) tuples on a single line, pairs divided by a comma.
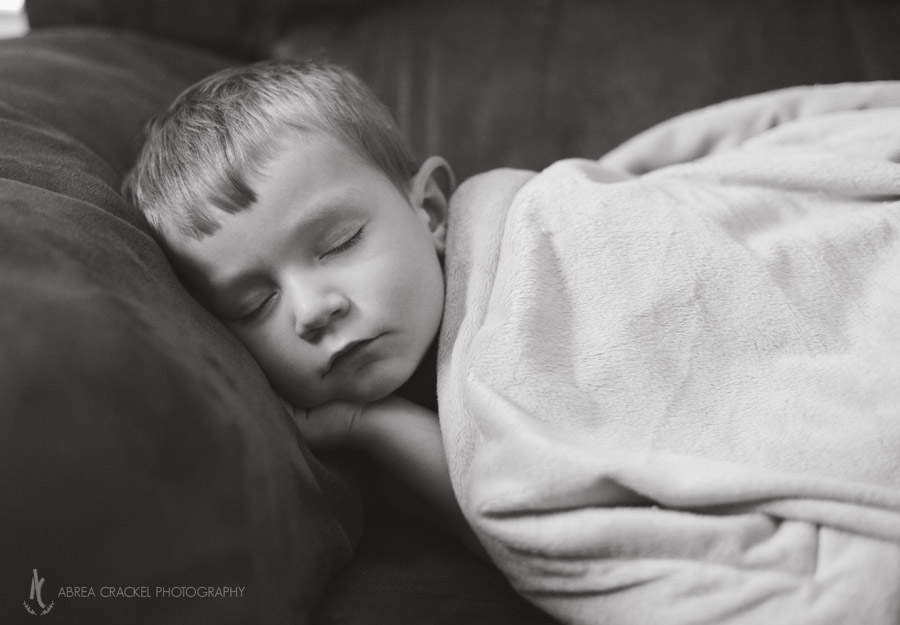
[(674, 397)]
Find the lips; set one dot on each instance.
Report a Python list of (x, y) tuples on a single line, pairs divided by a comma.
[(347, 353)]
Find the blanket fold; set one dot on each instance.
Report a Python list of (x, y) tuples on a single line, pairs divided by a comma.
[(669, 381)]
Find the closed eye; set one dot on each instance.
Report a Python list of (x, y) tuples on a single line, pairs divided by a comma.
[(257, 311), (346, 244)]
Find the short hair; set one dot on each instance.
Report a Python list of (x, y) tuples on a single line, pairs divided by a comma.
[(199, 154)]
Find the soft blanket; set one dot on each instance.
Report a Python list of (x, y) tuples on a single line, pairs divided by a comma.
[(669, 381)]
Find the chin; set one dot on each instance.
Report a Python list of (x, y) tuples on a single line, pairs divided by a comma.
[(365, 387), (379, 384)]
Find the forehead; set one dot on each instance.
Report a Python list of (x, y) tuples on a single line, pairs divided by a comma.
[(304, 185)]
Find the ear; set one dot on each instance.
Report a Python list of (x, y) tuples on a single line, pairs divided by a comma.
[(430, 191)]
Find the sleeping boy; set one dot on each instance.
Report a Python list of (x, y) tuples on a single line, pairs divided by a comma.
[(292, 209), (692, 389)]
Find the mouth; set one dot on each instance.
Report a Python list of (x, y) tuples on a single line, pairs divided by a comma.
[(347, 353)]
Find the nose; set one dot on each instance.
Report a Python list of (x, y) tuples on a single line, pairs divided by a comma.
[(315, 310)]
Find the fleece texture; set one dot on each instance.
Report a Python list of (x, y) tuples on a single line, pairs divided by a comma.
[(669, 383)]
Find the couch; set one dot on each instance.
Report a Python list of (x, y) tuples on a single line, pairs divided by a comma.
[(143, 456)]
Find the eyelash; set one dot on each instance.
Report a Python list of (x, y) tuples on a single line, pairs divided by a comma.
[(343, 247), (346, 245), (256, 312)]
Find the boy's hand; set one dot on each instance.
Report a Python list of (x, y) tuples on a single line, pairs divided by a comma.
[(330, 426)]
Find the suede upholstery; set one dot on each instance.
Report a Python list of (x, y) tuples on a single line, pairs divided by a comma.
[(139, 443), (523, 83)]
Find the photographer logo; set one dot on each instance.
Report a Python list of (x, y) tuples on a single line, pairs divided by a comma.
[(36, 605), (35, 599)]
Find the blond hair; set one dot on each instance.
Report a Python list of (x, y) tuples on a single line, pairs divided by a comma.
[(200, 154)]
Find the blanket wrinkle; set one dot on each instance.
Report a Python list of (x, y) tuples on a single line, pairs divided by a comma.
[(668, 380)]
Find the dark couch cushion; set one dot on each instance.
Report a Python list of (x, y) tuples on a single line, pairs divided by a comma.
[(408, 571), (140, 445), (237, 27), (522, 83)]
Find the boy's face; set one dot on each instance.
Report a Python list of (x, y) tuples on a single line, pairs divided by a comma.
[(332, 279)]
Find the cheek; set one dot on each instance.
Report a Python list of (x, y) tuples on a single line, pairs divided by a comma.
[(277, 350), (405, 281), (288, 369), (419, 291)]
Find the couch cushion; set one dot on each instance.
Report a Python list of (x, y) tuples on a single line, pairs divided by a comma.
[(237, 27), (406, 570), (522, 83), (140, 445)]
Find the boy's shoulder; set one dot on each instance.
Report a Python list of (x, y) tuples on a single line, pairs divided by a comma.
[(501, 185), (496, 185)]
